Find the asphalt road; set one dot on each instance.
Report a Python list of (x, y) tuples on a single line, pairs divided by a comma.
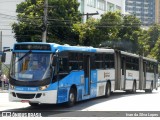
[(120, 104)]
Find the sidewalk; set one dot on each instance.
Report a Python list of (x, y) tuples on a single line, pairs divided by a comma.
[(3, 91)]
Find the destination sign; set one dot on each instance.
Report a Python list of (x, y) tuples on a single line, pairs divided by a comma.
[(32, 47)]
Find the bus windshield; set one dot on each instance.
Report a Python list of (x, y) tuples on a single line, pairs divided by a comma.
[(30, 67)]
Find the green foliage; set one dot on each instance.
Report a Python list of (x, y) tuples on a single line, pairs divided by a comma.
[(29, 23), (143, 44), (109, 26), (86, 32), (149, 42), (61, 19), (61, 16), (153, 42), (118, 32), (129, 33), (155, 52)]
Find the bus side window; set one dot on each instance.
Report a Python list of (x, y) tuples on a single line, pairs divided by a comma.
[(80, 61), (63, 65), (99, 61), (73, 61), (109, 61)]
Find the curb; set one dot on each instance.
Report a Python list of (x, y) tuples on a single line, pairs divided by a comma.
[(3, 91)]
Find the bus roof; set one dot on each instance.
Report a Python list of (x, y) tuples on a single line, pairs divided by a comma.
[(129, 54), (50, 47), (53, 47), (75, 48), (149, 59), (102, 50)]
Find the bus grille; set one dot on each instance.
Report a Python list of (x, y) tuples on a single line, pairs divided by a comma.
[(25, 96)]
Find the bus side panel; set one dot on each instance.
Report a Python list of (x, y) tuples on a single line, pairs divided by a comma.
[(93, 88), (93, 84), (149, 79), (102, 77), (131, 75), (74, 78)]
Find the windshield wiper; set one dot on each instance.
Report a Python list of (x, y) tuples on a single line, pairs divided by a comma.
[(25, 55)]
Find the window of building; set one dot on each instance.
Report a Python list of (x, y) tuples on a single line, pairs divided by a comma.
[(118, 7), (110, 7), (91, 3), (101, 4)]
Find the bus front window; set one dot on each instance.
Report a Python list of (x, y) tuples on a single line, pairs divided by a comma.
[(31, 67)]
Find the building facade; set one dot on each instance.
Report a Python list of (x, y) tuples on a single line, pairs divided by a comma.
[(100, 7), (142, 9)]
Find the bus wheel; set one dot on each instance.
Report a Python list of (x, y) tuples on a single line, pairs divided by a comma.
[(108, 90), (150, 90), (34, 104), (134, 88), (71, 97)]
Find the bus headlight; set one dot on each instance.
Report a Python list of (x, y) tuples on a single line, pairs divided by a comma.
[(43, 87), (11, 87)]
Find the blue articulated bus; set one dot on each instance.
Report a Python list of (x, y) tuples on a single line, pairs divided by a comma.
[(49, 73)]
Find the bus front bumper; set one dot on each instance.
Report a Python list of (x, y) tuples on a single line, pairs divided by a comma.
[(48, 97)]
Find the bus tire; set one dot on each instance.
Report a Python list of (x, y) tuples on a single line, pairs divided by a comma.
[(150, 90), (108, 90), (134, 87), (34, 104), (71, 97)]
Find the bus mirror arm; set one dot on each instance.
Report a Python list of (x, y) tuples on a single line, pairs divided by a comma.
[(54, 61)]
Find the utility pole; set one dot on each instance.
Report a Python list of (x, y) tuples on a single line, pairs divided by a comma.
[(1, 62), (88, 14), (44, 34), (0, 40), (1, 49)]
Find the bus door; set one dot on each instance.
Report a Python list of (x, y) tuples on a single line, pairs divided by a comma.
[(144, 73), (87, 74), (123, 74)]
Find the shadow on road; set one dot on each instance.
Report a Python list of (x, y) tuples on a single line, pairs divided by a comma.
[(62, 110)]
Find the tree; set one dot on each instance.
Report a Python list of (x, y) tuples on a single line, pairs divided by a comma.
[(149, 41), (87, 32), (130, 33), (109, 26), (143, 44), (62, 14), (153, 36), (61, 19), (155, 52), (153, 42), (29, 23), (119, 32)]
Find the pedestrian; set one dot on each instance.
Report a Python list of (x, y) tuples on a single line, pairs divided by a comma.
[(4, 81)]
